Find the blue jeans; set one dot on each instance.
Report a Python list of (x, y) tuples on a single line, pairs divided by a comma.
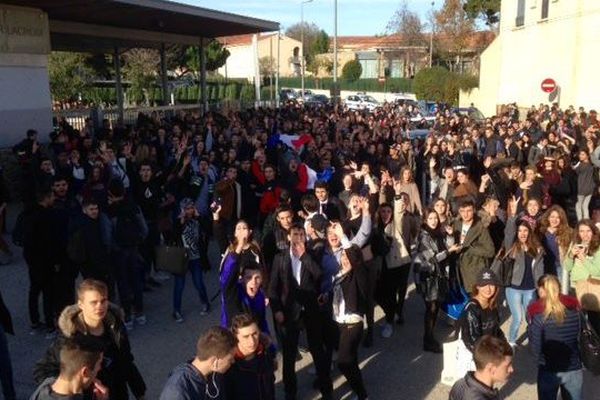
[(570, 384), (518, 300), (197, 279), (6, 375)]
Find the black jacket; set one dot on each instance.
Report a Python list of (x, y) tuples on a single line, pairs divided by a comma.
[(118, 368), (476, 322), (355, 290), (284, 292), (5, 319), (252, 379), (42, 247), (469, 388)]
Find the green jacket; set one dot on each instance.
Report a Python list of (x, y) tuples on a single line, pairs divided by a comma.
[(476, 254), (583, 270)]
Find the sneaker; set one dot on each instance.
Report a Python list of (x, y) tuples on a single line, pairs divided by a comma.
[(128, 323), (140, 319), (50, 334), (177, 317), (387, 330), (36, 328), (161, 276), (205, 310)]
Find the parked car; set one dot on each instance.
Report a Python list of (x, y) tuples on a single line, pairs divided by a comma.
[(317, 100), (287, 94), (404, 96), (471, 112), (361, 101), (304, 96)]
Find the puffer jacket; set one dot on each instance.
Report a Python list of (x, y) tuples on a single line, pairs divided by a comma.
[(469, 388), (555, 345), (118, 368)]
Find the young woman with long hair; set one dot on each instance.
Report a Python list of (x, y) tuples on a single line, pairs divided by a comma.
[(583, 261), (241, 252), (524, 251), (431, 276), (554, 325), (480, 316), (556, 234), (408, 186)]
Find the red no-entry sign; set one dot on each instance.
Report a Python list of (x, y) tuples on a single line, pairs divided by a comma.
[(548, 85)]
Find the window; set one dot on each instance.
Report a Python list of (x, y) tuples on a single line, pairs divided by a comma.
[(520, 20), (545, 6)]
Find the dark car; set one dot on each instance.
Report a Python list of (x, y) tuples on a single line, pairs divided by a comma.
[(471, 112), (317, 100)]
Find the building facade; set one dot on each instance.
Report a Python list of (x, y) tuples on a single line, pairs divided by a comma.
[(540, 39), (239, 63)]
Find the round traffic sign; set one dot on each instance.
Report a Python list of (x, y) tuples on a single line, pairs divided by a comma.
[(548, 85)]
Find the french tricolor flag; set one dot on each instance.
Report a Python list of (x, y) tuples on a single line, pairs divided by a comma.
[(294, 142)]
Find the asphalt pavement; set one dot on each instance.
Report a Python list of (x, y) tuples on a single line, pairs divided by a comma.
[(394, 368)]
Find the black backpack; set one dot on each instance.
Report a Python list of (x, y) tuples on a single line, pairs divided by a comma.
[(128, 232)]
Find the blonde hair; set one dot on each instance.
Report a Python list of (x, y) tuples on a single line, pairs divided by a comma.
[(553, 308)]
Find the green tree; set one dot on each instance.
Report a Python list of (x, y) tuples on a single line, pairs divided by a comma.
[(455, 29), (407, 25), (442, 85), (486, 10), (141, 68), (352, 71), (321, 43), (216, 57), (69, 75)]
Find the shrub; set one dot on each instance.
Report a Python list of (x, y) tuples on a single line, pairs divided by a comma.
[(439, 84), (352, 71)]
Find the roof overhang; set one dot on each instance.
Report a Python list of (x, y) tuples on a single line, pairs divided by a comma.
[(100, 25)]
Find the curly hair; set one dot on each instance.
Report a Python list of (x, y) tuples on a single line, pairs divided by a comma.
[(564, 232), (595, 242)]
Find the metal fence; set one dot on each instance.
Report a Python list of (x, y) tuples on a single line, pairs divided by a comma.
[(77, 117)]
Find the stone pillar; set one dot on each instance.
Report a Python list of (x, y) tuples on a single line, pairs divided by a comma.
[(25, 101)]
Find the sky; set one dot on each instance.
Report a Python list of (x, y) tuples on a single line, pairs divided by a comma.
[(355, 17)]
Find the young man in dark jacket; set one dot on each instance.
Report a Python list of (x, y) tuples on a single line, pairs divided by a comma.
[(493, 363), (95, 322), (202, 378), (41, 252), (79, 366), (129, 230), (295, 286), (6, 375)]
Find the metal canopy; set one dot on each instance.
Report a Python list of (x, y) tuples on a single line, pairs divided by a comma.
[(80, 25)]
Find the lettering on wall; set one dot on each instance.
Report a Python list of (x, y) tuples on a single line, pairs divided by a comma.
[(23, 30)]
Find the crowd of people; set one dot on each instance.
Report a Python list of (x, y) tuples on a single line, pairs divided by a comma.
[(321, 214)]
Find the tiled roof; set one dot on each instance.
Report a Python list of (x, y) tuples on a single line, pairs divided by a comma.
[(240, 40), (478, 40)]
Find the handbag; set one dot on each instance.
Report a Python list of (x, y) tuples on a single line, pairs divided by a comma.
[(588, 294), (456, 300), (172, 259), (458, 360), (589, 346), (502, 266)]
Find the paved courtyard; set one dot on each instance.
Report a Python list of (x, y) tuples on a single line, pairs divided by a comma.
[(395, 368)]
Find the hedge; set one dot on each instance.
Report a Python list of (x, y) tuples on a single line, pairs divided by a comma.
[(366, 85), (441, 85)]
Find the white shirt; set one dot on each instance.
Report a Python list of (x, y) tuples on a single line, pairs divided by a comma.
[(296, 266)]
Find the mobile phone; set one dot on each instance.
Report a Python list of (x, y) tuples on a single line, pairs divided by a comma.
[(215, 205)]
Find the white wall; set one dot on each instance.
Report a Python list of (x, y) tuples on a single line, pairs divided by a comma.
[(564, 47)]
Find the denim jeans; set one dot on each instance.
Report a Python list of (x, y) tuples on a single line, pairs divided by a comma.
[(6, 375), (197, 279), (582, 207), (518, 300), (570, 384)]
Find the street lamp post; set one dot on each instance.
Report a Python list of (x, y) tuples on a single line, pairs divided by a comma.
[(302, 41), (335, 58), (431, 38)]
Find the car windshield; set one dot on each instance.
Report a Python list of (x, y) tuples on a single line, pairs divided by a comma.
[(369, 99)]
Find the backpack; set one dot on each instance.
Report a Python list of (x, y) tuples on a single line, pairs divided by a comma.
[(128, 232), (22, 229)]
